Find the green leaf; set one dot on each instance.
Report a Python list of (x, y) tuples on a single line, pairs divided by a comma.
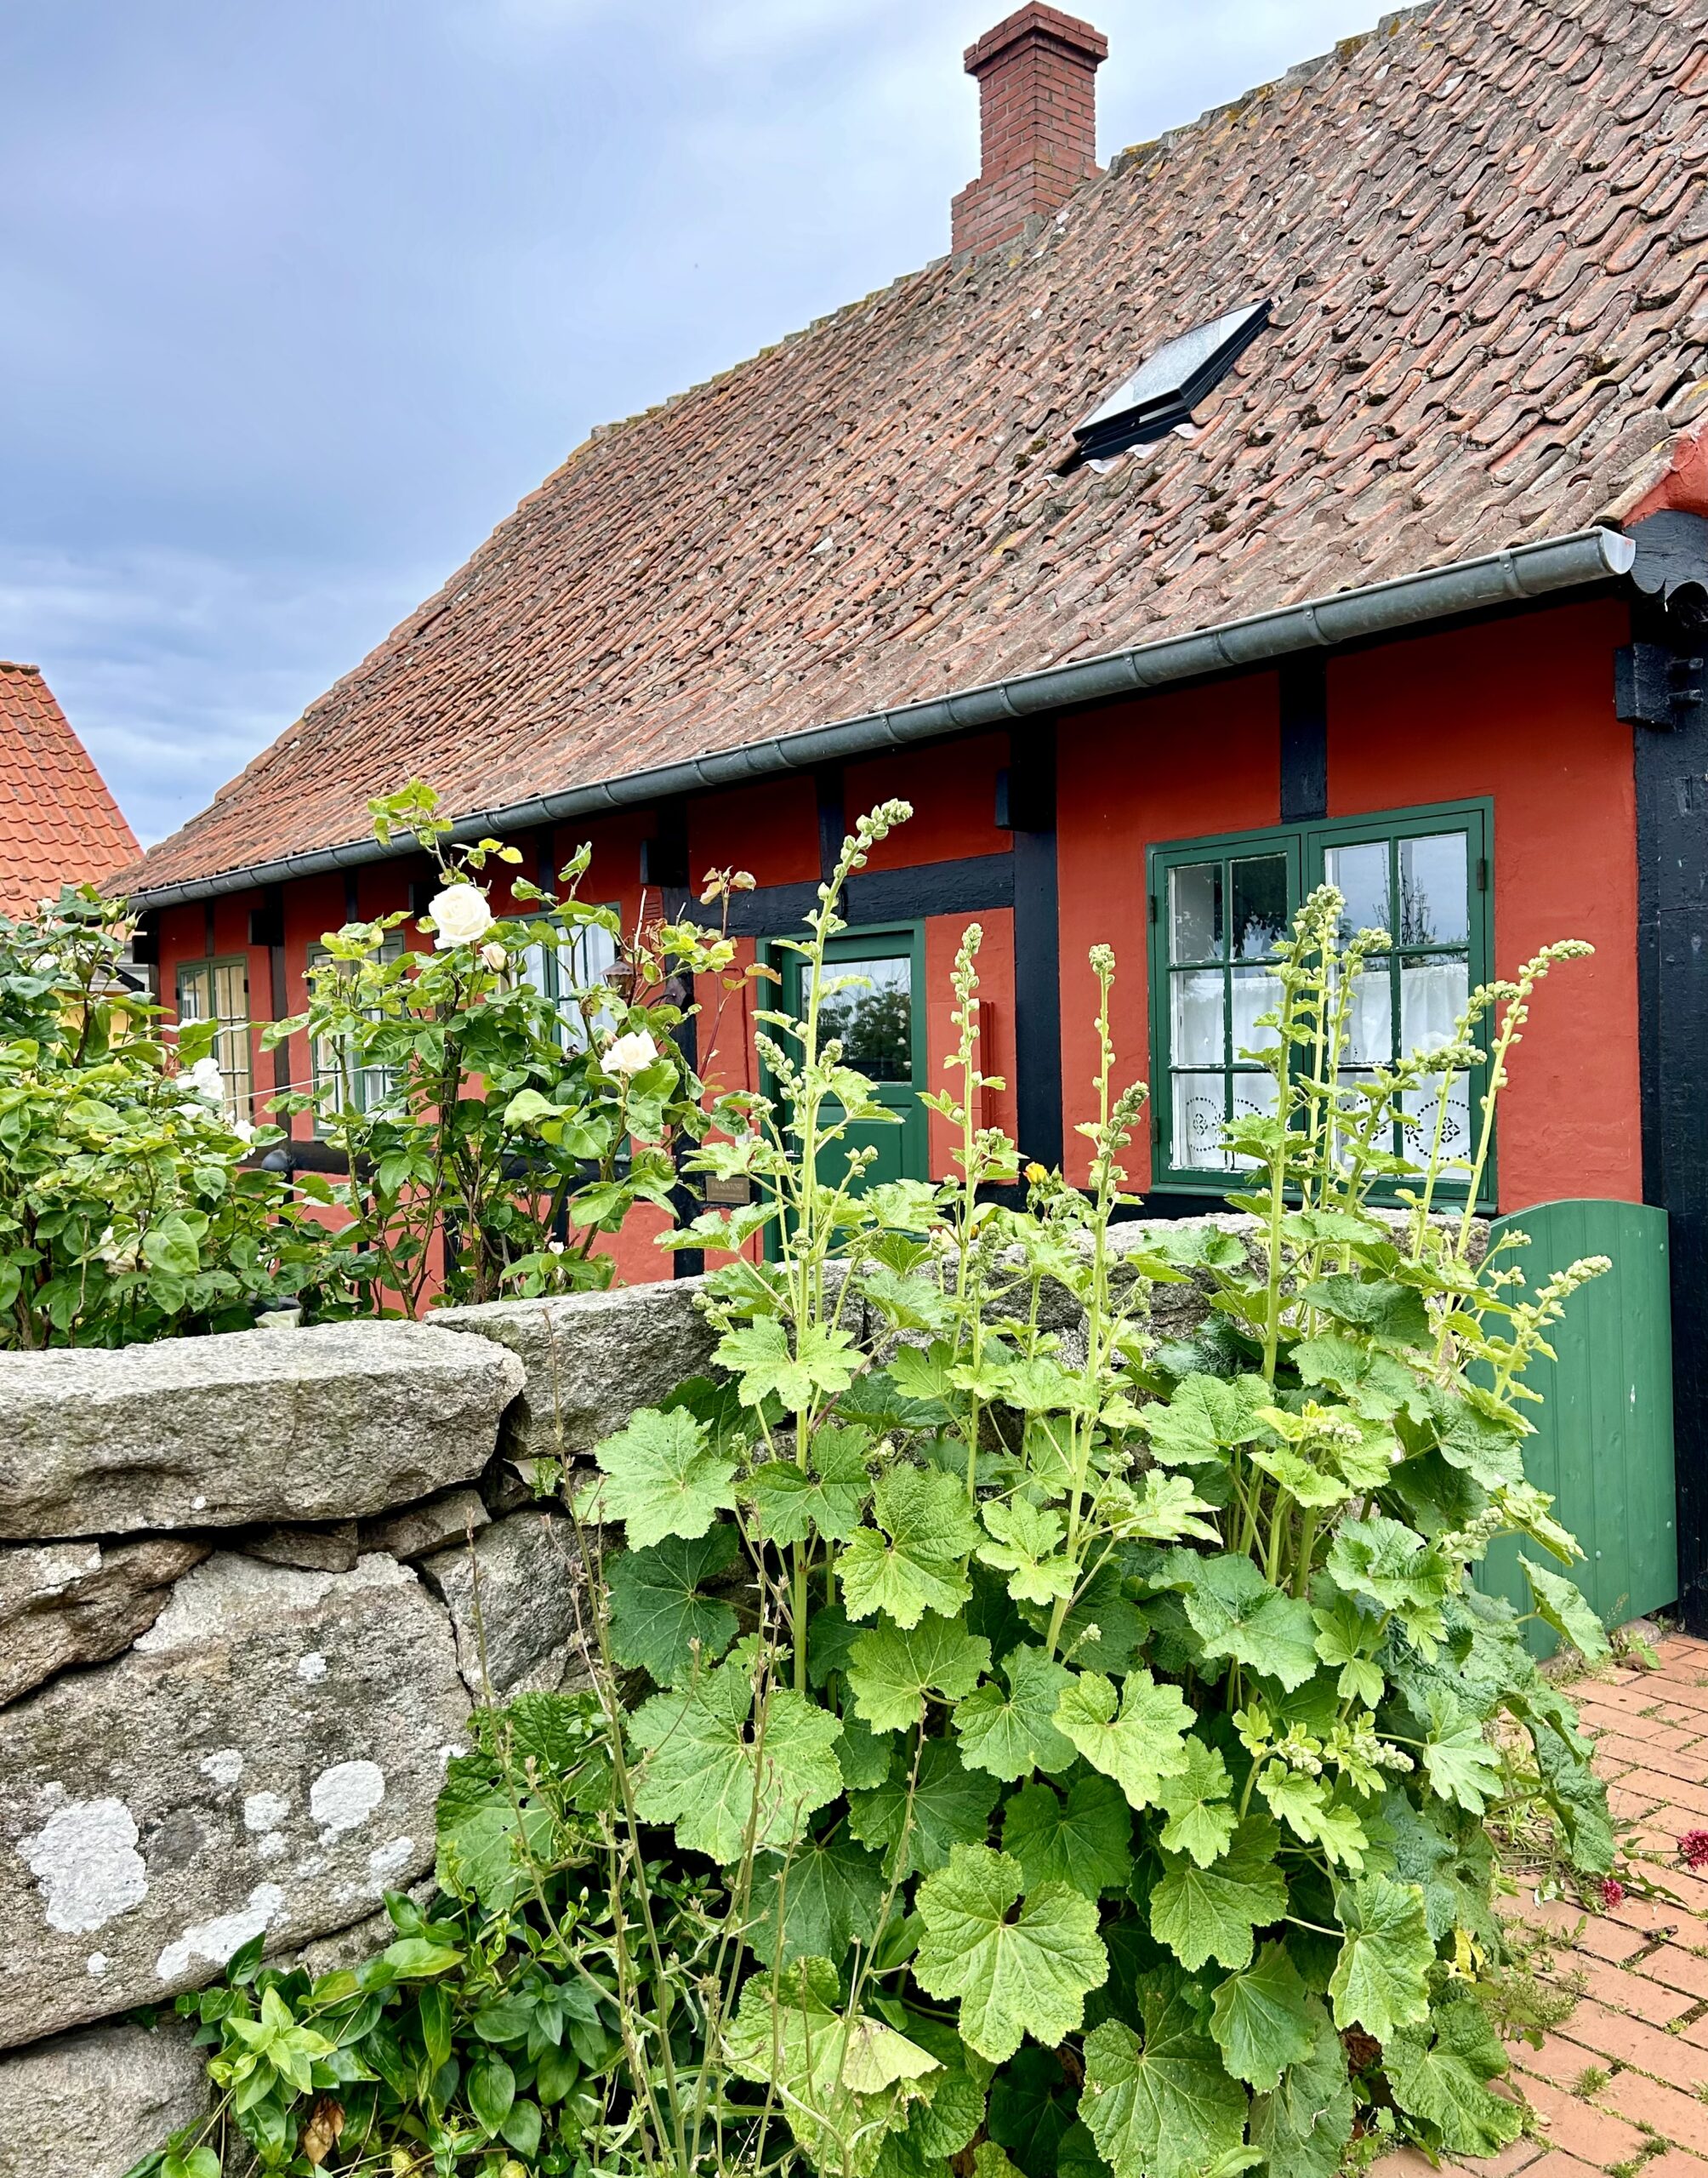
[(1205, 1417), (919, 1562), (1313, 1812), (1236, 1614), (1373, 1384), (1205, 1913), (1200, 1820), (483, 1836), (1347, 1637), (891, 1668), (661, 1623), (1380, 1980), (1031, 2110), (416, 1959), (1084, 1840), (521, 2127), (1449, 1858), (662, 1479), (1561, 1603), (952, 1806), (1440, 2072), (824, 1499), (1261, 2021), (862, 1755), (1014, 1734), (704, 1774), (1381, 1306), (1141, 1746), (1027, 1548), (1306, 2124), (490, 2090), (1165, 1508), (1461, 1764), (192, 2163), (1160, 2105), (1030, 1975), (1393, 1566), (827, 1896), (822, 1363)]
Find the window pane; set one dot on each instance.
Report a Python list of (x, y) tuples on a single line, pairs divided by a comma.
[(1197, 1034), (1424, 1104), (1259, 917), (1195, 912), (1198, 1121), (1360, 874), (1256, 991), (1434, 899), (1254, 1097), (1369, 1017), (1431, 997), (875, 1026)]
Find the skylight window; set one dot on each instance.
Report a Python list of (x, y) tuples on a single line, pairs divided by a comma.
[(1165, 389)]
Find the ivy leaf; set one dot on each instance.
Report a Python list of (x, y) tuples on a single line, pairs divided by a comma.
[(1141, 1746), (1084, 1840), (1011, 1735), (892, 1669), (1205, 1913), (1311, 1811), (1380, 1980), (1260, 2019), (1205, 1417), (1440, 2072), (1347, 1636), (826, 1897), (952, 1806), (1461, 1764), (1200, 1820), (917, 1563), (822, 1363), (1304, 2126), (1026, 1549), (1163, 2106), (658, 1609), (703, 1774), (662, 1479), (1561, 1605), (1236, 1614), (1030, 1975), (824, 1499)]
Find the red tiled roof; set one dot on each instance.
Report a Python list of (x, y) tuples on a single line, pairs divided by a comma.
[(1482, 228), (58, 822)]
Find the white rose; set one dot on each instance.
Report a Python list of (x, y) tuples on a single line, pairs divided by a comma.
[(460, 916), (203, 1078), (495, 957), (631, 1054)]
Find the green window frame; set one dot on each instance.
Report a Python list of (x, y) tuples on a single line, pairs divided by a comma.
[(1216, 905), (592, 954), (218, 989), (330, 1060)]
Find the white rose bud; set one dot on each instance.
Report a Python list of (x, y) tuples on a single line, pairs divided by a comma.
[(631, 1055), (495, 957), (460, 916)]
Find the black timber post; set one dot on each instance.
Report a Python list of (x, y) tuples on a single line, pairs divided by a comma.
[(267, 927), (833, 816), (1659, 691), (1304, 704), (1037, 943)]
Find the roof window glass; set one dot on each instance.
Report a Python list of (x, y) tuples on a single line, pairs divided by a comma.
[(1167, 386)]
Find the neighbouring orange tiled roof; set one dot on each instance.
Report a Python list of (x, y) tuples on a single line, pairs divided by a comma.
[(1483, 230), (58, 822)]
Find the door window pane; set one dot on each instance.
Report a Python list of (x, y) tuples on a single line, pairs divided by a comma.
[(1434, 896), (875, 1026), (1260, 910), (1432, 993), (1198, 1031), (1360, 874), (1195, 912)]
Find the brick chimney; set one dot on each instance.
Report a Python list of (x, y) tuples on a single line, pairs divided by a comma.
[(1038, 121)]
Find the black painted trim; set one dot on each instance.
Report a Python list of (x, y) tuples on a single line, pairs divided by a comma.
[(1037, 944), (1304, 695), (833, 816), (879, 896)]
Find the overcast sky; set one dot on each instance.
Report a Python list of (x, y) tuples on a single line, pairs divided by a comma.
[(296, 301)]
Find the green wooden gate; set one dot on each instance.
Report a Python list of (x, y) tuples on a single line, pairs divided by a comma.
[(1603, 1443)]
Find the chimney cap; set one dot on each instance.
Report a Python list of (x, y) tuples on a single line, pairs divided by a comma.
[(1035, 20)]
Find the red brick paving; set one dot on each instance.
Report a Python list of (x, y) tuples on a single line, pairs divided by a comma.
[(1642, 2017)]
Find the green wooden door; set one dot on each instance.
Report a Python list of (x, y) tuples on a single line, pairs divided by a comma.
[(882, 1027), (1603, 1443)]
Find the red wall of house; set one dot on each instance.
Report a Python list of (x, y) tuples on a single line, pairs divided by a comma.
[(952, 786)]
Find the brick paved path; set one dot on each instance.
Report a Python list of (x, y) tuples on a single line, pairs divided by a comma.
[(1622, 2085)]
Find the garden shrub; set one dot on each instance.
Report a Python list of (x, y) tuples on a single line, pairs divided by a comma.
[(1064, 1750)]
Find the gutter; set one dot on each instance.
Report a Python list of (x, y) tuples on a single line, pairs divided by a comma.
[(1523, 571)]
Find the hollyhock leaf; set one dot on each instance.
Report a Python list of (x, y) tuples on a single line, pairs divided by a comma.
[(1013, 1735), (1374, 1384), (1560, 1603), (659, 1611), (1380, 1980), (1084, 1838), (1440, 2072), (1304, 2126), (862, 1755), (1261, 2021), (1026, 1548), (918, 1562), (1461, 1764), (1206, 1416), (1160, 2105), (1205, 1913), (827, 1896), (952, 1806), (821, 1364), (1139, 1746), (1311, 1811), (892, 1669), (823, 1499), (1031, 2109), (1345, 1637), (1030, 1975), (1236, 1614), (703, 1774), (1200, 1820), (662, 1478)]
